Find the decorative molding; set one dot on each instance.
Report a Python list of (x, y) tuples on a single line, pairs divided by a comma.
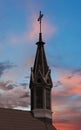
[(42, 113)]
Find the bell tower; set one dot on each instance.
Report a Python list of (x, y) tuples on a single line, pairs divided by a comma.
[(40, 82)]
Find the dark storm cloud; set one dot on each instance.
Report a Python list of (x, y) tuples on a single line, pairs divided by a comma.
[(5, 66)]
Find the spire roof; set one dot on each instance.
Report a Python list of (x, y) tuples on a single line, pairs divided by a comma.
[(40, 68), (40, 63)]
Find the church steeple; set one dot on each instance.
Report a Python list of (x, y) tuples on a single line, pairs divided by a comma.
[(40, 82)]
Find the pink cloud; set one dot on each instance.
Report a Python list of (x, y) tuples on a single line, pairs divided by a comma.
[(14, 75), (72, 85), (47, 29), (29, 35), (14, 98), (67, 86), (66, 102)]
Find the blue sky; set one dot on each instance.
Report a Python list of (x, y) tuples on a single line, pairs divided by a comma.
[(61, 29)]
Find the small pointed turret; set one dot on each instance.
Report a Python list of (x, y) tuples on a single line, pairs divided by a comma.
[(40, 82)]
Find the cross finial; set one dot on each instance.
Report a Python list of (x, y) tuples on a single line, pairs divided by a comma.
[(40, 20)]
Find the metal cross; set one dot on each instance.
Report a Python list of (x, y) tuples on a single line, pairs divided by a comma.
[(40, 20)]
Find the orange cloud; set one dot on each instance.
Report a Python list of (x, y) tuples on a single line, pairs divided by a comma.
[(66, 102), (68, 86), (64, 126), (73, 85)]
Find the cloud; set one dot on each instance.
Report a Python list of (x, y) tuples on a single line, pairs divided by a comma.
[(16, 75), (32, 33), (6, 85), (67, 97), (74, 73), (48, 29), (63, 126), (68, 118), (5, 66), (62, 121), (72, 85), (57, 83), (77, 71), (23, 84), (68, 86), (67, 93), (12, 97)]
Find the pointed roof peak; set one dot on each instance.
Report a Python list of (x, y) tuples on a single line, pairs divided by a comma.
[(40, 33)]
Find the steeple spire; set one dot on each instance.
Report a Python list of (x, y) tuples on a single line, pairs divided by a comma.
[(40, 82), (40, 21)]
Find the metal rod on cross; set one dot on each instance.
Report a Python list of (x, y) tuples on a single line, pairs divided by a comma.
[(40, 20)]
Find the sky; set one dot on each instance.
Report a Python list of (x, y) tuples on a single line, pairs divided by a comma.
[(61, 29)]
